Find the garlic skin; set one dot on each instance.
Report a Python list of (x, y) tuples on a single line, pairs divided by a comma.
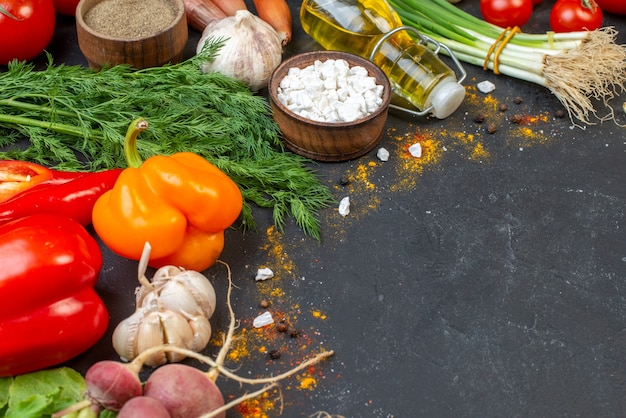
[(251, 52)]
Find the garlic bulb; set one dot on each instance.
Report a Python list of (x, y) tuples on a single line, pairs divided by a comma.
[(251, 52), (173, 309)]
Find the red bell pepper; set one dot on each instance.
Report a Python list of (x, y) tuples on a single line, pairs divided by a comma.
[(27, 188), (18, 176), (49, 309)]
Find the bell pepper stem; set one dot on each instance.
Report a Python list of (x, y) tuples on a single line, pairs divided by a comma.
[(133, 159)]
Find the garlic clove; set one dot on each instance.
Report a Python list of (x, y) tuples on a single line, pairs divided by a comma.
[(174, 296), (176, 332), (149, 300), (125, 335), (150, 334), (201, 328), (201, 289), (195, 284)]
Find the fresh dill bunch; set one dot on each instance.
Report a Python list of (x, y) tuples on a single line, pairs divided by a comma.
[(75, 118)]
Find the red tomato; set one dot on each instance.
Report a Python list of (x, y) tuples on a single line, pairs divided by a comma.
[(536, 2), (575, 15), (66, 7), (28, 32), (613, 6), (505, 13)]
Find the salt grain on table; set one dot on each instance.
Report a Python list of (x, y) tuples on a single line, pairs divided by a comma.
[(262, 320), (382, 154), (264, 274), (416, 150), (486, 86), (344, 206)]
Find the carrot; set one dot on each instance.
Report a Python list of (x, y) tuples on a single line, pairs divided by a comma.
[(201, 12), (229, 7), (277, 14)]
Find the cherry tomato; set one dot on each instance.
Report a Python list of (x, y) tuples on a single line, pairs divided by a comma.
[(506, 13), (536, 2), (613, 6), (28, 31), (66, 7), (575, 15)]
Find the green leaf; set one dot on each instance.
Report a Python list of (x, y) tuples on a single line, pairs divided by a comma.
[(5, 384), (42, 393)]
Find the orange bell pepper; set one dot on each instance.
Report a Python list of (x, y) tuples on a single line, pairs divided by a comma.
[(181, 204)]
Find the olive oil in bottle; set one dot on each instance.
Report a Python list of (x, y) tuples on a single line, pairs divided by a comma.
[(416, 74)]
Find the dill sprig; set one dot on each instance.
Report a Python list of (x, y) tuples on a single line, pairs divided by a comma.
[(75, 118)]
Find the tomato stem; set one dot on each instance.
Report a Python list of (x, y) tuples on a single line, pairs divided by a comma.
[(9, 14)]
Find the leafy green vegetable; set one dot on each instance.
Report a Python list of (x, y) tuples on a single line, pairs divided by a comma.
[(72, 113), (40, 394)]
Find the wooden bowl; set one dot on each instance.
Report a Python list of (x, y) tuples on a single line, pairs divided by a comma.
[(329, 141), (151, 50)]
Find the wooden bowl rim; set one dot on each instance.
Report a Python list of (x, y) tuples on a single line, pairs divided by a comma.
[(324, 55), (179, 4)]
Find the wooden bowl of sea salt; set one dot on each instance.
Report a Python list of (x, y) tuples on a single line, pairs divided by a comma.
[(139, 33), (329, 105)]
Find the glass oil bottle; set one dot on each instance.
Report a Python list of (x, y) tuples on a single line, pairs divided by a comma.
[(373, 30)]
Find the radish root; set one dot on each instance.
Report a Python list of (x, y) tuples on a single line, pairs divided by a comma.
[(227, 373), (221, 356)]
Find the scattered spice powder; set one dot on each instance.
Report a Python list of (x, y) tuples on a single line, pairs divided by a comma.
[(130, 19), (258, 407), (409, 166), (479, 153), (271, 343)]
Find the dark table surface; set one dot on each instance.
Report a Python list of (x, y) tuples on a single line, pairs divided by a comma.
[(487, 280)]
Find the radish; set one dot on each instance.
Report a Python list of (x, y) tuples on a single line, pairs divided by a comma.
[(184, 390), (110, 384), (142, 407)]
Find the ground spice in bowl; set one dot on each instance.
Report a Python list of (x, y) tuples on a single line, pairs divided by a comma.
[(130, 19)]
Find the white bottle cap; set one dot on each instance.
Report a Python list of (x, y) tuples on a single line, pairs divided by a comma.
[(446, 97)]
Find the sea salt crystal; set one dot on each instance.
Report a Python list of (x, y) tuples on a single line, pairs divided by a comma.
[(262, 320), (486, 86), (264, 274), (416, 150), (382, 154), (344, 206)]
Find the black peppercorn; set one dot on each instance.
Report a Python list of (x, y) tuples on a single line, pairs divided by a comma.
[(274, 354), (292, 331)]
